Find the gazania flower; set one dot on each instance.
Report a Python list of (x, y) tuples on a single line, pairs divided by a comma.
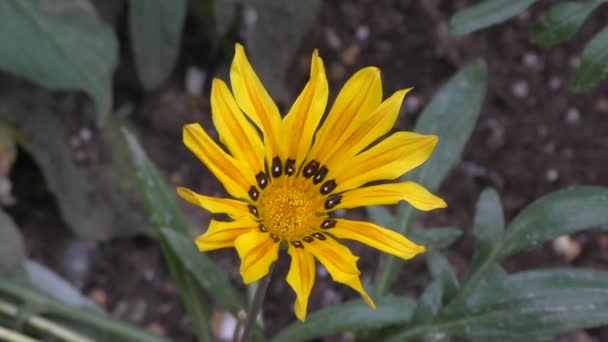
[(288, 180)]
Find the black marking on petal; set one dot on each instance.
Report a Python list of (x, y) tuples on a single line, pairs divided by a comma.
[(262, 179), (310, 169), (327, 224), (332, 201), (328, 187), (320, 175), (290, 167), (254, 193), (253, 210), (263, 228), (308, 239), (274, 238), (297, 244), (319, 236), (276, 168)]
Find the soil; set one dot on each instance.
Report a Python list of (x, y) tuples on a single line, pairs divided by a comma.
[(534, 136)]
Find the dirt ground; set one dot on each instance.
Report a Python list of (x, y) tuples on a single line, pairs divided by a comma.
[(533, 136)]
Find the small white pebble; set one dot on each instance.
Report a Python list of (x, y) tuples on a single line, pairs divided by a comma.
[(573, 61), (148, 274), (530, 59), (332, 38), (552, 175), (250, 19), (362, 32), (195, 80), (555, 82), (573, 116), (567, 247), (125, 110), (75, 141), (86, 135), (520, 88), (412, 103)]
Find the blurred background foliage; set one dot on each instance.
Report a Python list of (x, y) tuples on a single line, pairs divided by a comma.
[(66, 67)]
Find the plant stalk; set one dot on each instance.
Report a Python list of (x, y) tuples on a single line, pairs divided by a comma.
[(256, 306)]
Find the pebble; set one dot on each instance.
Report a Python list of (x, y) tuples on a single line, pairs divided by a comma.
[(86, 135), (552, 175), (412, 103), (156, 328), (573, 116), (99, 297), (574, 61), (349, 56), (362, 32), (76, 261), (555, 82), (195, 80), (223, 324), (530, 59), (567, 247), (602, 105), (520, 88), (332, 38)]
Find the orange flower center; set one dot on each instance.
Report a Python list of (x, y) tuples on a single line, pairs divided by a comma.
[(290, 208)]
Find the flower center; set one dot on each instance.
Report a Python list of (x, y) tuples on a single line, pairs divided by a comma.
[(289, 208)]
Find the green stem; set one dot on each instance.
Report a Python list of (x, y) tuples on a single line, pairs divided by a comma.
[(96, 320), (256, 306), (13, 336)]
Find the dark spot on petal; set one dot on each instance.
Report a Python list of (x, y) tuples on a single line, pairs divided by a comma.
[(254, 210), (310, 169), (276, 168), (254, 193), (328, 187), (274, 238), (319, 236), (297, 244), (328, 224), (290, 167), (332, 201), (320, 175), (308, 239), (263, 228), (262, 180)]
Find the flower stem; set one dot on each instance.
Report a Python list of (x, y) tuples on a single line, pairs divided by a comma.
[(256, 306)]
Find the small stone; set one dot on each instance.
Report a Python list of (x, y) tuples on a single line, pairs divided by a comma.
[(349, 56), (86, 135), (99, 297), (156, 328), (362, 32), (332, 38), (573, 116), (567, 247), (336, 71), (223, 324), (195, 80), (554, 83), (602, 105), (530, 59), (75, 141), (520, 89), (574, 61), (552, 175), (149, 274), (412, 103)]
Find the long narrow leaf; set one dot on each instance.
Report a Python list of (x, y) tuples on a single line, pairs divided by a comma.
[(486, 13)]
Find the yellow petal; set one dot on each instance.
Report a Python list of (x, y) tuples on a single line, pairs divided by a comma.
[(359, 97), (223, 234), (375, 126), (236, 176), (302, 120), (340, 263), (237, 134), (383, 194), (389, 159), (377, 237), (257, 251), (301, 278), (233, 208), (256, 103)]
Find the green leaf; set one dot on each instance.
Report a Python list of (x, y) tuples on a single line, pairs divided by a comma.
[(594, 63), (441, 271), (61, 45), (451, 115), (355, 316), (529, 304), (560, 213), (165, 214), (12, 249), (155, 28), (435, 238), (561, 22), (486, 13), (488, 228), (429, 303), (211, 278)]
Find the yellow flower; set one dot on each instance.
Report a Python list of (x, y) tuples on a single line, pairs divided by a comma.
[(288, 181)]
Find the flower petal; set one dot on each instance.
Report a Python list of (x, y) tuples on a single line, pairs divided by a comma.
[(383, 194), (223, 234), (236, 176), (233, 208), (389, 159), (340, 263), (377, 237), (375, 126), (361, 94), (257, 251), (301, 121), (238, 134), (256, 103), (301, 278)]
